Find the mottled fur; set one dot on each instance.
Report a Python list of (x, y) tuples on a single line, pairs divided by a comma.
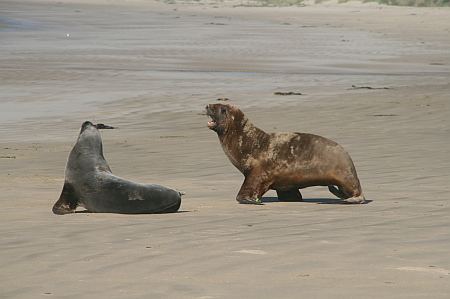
[(284, 162)]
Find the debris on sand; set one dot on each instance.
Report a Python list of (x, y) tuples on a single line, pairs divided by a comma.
[(288, 93), (366, 87), (382, 115), (223, 99)]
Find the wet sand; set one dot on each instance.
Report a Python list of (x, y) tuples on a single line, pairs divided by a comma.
[(149, 69)]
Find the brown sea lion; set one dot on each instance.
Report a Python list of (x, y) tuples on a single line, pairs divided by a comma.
[(285, 162)]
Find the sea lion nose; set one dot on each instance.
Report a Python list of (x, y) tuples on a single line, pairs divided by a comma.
[(103, 126)]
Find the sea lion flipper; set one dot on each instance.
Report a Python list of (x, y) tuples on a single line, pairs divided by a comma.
[(340, 192), (356, 199), (252, 189), (67, 202), (337, 192)]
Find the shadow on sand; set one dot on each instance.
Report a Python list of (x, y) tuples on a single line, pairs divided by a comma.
[(89, 212), (322, 201)]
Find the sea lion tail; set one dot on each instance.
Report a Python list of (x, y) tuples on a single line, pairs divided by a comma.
[(181, 193)]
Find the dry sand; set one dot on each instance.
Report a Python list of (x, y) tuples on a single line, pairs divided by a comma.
[(149, 68)]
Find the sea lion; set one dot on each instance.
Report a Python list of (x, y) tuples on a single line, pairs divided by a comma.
[(90, 183), (285, 162)]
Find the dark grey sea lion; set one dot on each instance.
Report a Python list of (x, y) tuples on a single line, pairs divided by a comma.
[(285, 162), (90, 183)]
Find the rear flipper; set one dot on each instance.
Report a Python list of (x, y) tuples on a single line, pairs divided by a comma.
[(348, 198), (67, 202), (337, 192), (172, 209), (289, 195)]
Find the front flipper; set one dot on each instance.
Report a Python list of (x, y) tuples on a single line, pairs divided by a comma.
[(67, 202), (289, 195), (252, 190)]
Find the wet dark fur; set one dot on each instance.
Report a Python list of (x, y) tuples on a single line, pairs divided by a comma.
[(284, 162), (89, 182)]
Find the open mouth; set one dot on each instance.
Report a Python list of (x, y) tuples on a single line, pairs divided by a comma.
[(212, 123)]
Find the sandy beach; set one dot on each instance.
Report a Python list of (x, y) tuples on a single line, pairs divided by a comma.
[(150, 68)]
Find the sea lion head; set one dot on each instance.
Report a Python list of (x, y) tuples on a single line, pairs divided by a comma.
[(89, 125), (89, 136), (223, 117), (87, 153)]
